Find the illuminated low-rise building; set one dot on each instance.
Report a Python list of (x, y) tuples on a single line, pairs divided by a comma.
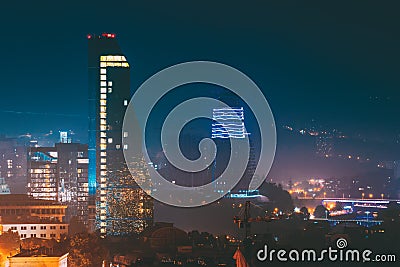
[(35, 260), (24, 205), (31, 227)]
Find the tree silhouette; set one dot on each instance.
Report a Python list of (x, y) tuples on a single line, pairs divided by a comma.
[(86, 250), (279, 198), (321, 212)]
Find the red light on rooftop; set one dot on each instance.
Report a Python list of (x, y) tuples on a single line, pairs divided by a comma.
[(108, 35), (89, 36)]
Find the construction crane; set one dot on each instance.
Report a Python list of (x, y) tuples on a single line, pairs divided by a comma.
[(244, 219)]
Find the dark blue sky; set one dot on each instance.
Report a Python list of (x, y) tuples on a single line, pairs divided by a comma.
[(323, 61)]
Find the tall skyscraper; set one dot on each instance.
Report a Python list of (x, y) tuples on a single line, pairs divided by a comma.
[(122, 208), (228, 122), (60, 174)]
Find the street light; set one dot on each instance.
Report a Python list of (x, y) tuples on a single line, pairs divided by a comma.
[(362, 196), (382, 195)]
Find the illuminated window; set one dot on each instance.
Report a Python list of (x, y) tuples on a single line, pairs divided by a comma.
[(103, 127), (125, 134), (103, 146), (103, 77), (103, 71), (103, 115), (114, 64), (103, 90), (103, 64), (103, 173), (110, 140), (125, 102), (125, 65), (103, 102), (103, 121), (103, 83), (103, 154), (103, 160), (103, 109), (109, 83), (102, 140), (103, 167), (117, 146), (109, 90), (125, 147), (103, 96)]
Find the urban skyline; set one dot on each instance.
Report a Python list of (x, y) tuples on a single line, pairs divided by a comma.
[(73, 195)]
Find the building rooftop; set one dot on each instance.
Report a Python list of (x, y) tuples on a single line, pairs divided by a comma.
[(42, 252), (24, 200), (15, 219)]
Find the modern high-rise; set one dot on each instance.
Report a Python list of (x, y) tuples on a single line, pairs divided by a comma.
[(228, 123), (122, 208), (60, 173)]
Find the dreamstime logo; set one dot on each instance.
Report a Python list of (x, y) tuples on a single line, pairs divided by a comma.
[(341, 243), (143, 102), (310, 255)]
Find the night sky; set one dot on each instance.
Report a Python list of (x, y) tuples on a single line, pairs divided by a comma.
[(336, 63)]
